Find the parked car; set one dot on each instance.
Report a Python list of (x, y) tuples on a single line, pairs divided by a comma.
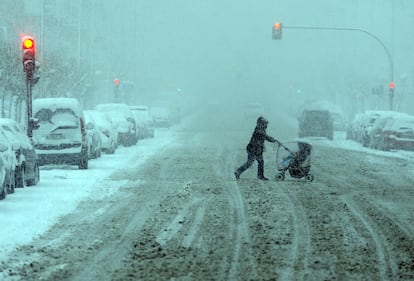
[(316, 123), (144, 121), (61, 135), (123, 119), (7, 167), (162, 117), (107, 131), (365, 123), (94, 137), (394, 133), (353, 131), (27, 166)]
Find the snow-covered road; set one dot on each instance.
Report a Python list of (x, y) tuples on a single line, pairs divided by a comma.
[(180, 215)]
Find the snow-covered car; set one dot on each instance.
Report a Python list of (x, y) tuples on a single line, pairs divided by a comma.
[(394, 133), (123, 119), (61, 135), (107, 131), (368, 121), (353, 127), (7, 167), (144, 121), (94, 137), (161, 116), (27, 166), (316, 123)]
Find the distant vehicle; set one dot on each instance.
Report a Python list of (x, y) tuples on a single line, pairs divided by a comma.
[(123, 119), (394, 133), (94, 137), (27, 166), (107, 131), (161, 116), (144, 121), (338, 121), (61, 136), (7, 167), (316, 123)]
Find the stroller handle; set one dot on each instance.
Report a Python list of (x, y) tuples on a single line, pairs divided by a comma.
[(281, 145)]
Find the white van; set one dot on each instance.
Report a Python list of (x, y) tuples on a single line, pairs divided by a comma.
[(61, 135)]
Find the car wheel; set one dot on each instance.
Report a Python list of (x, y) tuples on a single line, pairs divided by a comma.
[(11, 186), (83, 164), (20, 177), (3, 192), (112, 149), (31, 182)]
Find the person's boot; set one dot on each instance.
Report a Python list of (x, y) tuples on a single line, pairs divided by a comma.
[(262, 178), (260, 171)]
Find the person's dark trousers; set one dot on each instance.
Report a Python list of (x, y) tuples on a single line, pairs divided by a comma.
[(250, 159)]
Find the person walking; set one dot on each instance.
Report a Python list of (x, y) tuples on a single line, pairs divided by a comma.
[(255, 149)]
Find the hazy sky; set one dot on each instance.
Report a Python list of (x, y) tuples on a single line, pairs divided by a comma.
[(225, 47)]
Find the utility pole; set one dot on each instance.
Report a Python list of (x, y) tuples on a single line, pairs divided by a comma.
[(377, 39)]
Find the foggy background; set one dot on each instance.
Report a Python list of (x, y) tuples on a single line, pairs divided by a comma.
[(191, 53)]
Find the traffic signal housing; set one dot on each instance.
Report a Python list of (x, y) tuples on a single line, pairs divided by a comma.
[(29, 54), (277, 31)]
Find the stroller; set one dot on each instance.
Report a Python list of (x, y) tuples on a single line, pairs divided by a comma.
[(295, 158)]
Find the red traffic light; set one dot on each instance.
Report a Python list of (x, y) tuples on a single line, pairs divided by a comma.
[(277, 31), (28, 48), (28, 43), (116, 82), (277, 25), (392, 85)]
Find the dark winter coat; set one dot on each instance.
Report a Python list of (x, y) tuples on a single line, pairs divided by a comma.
[(256, 144)]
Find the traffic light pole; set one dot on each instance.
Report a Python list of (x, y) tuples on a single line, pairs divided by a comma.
[(387, 51), (29, 84)]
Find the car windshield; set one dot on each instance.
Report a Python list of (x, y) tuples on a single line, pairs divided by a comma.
[(64, 115), (60, 115)]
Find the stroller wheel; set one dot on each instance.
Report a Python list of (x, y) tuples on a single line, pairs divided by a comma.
[(309, 177), (280, 176)]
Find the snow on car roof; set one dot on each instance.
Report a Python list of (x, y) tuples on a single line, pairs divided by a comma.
[(139, 107), (111, 106), (55, 103)]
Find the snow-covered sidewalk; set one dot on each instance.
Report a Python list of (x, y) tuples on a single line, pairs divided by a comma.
[(32, 210)]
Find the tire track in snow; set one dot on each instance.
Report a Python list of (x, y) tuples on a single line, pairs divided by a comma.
[(382, 257), (176, 224), (238, 226), (301, 244), (362, 224)]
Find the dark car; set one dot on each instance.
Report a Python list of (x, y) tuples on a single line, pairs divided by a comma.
[(316, 123), (27, 166), (396, 133)]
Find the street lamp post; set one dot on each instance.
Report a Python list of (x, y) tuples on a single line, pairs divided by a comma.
[(377, 39)]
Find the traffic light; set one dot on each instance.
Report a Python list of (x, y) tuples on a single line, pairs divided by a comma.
[(277, 31), (29, 53)]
